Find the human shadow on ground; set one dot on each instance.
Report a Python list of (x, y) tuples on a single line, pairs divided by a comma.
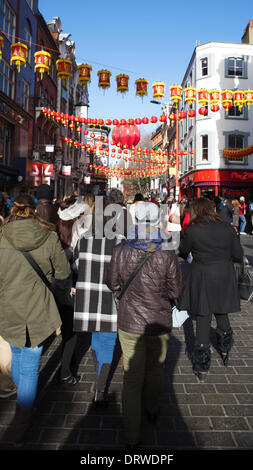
[(101, 428)]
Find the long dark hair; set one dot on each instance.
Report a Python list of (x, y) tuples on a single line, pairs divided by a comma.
[(64, 227), (24, 207), (203, 209)]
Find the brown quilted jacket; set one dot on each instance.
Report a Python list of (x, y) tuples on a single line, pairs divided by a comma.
[(145, 307)]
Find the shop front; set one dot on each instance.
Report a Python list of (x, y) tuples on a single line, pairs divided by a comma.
[(225, 183)]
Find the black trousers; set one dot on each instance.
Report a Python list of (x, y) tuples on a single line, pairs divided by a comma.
[(203, 326)]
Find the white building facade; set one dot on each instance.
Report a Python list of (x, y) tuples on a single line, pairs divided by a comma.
[(218, 66)]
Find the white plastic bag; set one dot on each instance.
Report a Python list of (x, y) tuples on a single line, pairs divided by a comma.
[(178, 317)]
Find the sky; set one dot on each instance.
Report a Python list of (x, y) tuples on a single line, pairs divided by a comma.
[(144, 39)]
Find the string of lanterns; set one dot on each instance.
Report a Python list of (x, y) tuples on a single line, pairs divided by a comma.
[(42, 59), (238, 153)]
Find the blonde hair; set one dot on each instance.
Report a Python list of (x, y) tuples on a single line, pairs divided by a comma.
[(24, 207), (235, 202), (90, 200)]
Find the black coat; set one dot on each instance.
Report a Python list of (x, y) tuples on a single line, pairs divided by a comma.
[(211, 285)]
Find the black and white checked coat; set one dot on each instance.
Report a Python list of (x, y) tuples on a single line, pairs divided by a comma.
[(95, 308)]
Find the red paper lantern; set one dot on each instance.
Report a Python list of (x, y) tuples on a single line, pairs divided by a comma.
[(141, 87), (1, 46), (64, 68), (248, 97), (138, 121), (153, 119), (104, 78), (84, 73), (214, 96), (182, 115), (203, 96), (42, 62), (126, 135), (190, 94), (176, 93), (215, 108), (122, 82), (163, 118), (238, 99), (172, 117), (203, 111), (108, 122), (18, 54), (226, 99), (145, 120), (158, 90), (191, 113)]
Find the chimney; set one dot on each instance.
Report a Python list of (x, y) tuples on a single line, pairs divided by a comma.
[(247, 37)]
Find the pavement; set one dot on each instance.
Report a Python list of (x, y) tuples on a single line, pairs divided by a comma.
[(215, 415)]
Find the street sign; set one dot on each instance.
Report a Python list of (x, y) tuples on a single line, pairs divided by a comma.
[(49, 148), (48, 169), (36, 169)]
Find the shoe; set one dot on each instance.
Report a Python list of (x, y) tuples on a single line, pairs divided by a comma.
[(71, 380), (201, 376), (8, 392), (225, 342), (243, 233), (100, 399), (201, 360)]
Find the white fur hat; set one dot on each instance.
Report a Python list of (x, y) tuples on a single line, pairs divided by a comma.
[(71, 212)]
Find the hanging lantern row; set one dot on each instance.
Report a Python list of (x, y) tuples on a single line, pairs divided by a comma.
[(19, 53), (239, 153)]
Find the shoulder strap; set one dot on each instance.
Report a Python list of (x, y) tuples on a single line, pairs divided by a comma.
[(36, 267), (124, 288)]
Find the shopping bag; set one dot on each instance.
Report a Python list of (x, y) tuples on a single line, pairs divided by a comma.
[(178, 317)]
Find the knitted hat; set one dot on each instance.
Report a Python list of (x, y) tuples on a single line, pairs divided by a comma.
[(44, 192), (147, 212)]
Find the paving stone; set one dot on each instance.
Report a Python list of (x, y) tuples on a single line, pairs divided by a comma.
[(214, 439), (227, 423)]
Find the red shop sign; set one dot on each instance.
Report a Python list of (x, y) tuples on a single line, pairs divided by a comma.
[(48, 169)]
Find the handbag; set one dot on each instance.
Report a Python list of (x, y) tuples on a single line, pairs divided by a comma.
[(244, 276), (118, 294)]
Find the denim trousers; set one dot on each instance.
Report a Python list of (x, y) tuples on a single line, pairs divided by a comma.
[(243, 223), (25, 373), (144, 358)]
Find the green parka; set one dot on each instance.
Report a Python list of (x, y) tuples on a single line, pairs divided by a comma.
[(25, 301)]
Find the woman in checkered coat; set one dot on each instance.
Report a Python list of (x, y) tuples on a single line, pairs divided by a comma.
[(95, 309)]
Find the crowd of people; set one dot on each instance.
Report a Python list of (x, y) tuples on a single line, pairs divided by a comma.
[(110, 271)]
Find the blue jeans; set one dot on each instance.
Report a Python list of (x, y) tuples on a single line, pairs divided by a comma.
[(25, 373), (243, 223)]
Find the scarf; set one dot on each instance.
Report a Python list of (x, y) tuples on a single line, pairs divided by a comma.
[(145, 238)]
